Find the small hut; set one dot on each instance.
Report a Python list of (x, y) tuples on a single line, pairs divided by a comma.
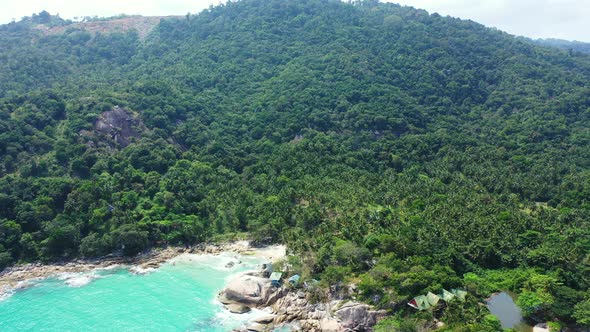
[(431, 300), (419, 302), (294, 280), (460, 294), (275, 279), (447, 296)]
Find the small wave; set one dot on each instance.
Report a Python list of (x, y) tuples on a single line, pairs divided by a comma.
[(231, 321), (220, 262), (5, 293), (8, 291), (79, 281), (26, 283), (73, 279), (110, 267), (138, 270), (66, 275)]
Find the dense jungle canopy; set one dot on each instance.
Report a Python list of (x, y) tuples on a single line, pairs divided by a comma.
[(388, 147)]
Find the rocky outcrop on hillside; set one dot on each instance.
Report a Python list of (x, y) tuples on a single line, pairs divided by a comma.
[(120, 125), (117, 128)]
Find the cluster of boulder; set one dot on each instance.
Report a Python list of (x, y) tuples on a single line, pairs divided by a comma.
[(336, 315), (250, 290)]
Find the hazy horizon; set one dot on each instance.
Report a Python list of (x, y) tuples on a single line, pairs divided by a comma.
[(559, 19)]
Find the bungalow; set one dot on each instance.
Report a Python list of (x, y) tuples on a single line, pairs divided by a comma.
[(431, 300), (275, 279), (294, 280)]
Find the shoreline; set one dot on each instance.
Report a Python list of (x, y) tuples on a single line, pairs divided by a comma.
[(279, 307), (16, 277)]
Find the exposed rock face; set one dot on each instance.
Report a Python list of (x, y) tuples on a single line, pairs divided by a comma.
[(264, 319), (336, 316), (251, 290), (237, 308), (275, 296), (116, 127), (312, 317), (329, 317), (329, 325), (358, 316), (119, 124), (257, 328), (247, 289)]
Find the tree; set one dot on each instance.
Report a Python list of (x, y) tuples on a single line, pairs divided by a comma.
[(131, 239), (582, 313), (94, 245)]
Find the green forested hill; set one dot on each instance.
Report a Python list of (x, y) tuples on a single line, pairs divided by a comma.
[(401, 151), (570, 46)]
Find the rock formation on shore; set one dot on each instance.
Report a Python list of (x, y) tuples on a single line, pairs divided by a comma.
[(249, 290), (288, 306)]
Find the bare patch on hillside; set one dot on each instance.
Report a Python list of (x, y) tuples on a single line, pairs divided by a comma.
[(142, 24), (117, 127)]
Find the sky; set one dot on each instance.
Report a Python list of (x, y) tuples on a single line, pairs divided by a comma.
[(564, 19)]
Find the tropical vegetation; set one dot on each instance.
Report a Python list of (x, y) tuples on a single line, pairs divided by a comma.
[(398, 150)]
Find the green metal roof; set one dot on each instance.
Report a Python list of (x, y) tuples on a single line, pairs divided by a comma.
[(446, 295), (276, 276), (422, 302), (432, 299), (460, 294)]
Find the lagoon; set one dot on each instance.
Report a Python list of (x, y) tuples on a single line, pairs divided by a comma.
[(502, 306)]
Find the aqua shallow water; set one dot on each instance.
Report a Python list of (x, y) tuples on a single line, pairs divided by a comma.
[(179, 296)]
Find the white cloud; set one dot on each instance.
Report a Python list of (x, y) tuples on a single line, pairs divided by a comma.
[(566, 19)]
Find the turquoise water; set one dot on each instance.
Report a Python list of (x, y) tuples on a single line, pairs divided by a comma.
[(179, 296)]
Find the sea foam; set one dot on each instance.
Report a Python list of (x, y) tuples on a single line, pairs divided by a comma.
[(5, 293), (222, 262), (228, 319), (73, 279), (138, 270)]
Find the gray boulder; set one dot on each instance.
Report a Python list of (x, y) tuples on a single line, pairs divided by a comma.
[(265, 319), (247, 289), (237, 308), (358, 316)]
